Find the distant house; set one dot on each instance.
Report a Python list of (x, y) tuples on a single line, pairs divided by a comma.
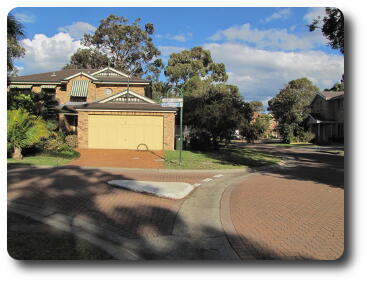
[(106, 108), (326, 119)]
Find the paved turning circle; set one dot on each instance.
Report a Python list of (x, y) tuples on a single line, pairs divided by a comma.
[(295, 212)]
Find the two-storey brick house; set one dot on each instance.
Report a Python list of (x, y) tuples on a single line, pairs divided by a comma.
[(326, 120), (105, 108)]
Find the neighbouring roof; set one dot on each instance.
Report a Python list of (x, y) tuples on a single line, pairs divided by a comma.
[(58, 76), (123, 106), (317, 118), (327, 95)]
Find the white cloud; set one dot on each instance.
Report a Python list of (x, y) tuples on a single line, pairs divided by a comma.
[(314, 13), (43, 53), (77, 29), (281, 14), (25, 17), (167, 50), (260, 73), (179, 37), (274, 39), (183, 37)]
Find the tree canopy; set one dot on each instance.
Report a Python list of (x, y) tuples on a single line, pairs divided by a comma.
[(332, 27), (14, 35), (196, 62), (215, 115), (125, 46), (87, 59), (290, 107), (257, 106)]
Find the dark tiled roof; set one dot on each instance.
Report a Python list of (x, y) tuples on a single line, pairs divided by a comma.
[(121, 79), (123, 106), (332, 94), (57, 76)]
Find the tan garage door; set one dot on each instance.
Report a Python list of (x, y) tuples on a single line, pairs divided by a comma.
[(125, 132)]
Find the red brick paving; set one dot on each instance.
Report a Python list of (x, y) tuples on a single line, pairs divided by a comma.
[(119, 158), (288, 215), (77, 191)]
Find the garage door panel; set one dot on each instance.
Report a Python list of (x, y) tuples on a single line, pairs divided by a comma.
[(125, 132)]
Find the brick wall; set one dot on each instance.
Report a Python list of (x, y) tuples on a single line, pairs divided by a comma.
[(100, 91), (168, 125)]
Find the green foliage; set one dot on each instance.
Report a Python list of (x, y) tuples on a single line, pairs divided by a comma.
[(87, 59), (257, 106), (255, 130), (159, 90), (71, 140), (55, 143), (126, 47), (41, 104), (196, 62), (332, 27), (290, 107), (24, 130), (14, 49), (215, 115), (337, 87)]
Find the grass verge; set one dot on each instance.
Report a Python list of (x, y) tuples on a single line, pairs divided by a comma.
[(46, 159), (31, 240), (226, 158)]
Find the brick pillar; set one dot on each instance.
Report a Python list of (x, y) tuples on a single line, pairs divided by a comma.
[(82, 130)]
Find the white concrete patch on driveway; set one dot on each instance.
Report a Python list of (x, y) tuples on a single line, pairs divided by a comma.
[(173, 190), (207, 180), (218, 176)]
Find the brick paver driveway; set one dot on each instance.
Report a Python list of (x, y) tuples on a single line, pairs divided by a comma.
[(119, 158), (83, 193), (295, 212)]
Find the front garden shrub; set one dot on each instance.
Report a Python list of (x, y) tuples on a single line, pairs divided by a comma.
[(55, 143), (24, 130), (71, 140)]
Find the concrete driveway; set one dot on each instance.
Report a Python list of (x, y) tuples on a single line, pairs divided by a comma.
[(122, 158)]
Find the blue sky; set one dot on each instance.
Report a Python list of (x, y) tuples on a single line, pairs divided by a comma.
[(262, 48)]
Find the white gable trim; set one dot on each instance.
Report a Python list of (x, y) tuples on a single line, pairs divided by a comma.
[(78, 74), (110, 69), (124, 92)]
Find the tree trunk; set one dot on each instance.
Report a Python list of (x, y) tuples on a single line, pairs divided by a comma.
[(17, 154)]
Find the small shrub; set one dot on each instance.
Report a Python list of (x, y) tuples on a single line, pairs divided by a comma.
[(71, 140), (55, 143), (306, 137)]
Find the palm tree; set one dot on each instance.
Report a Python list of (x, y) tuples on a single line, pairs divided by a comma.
[(24, 130), (15, 33)]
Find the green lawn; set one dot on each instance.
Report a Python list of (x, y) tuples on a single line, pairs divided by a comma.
[(226, 158), (42, 159), (32, 240)]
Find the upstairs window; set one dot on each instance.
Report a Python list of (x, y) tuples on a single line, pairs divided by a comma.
[(79, 88)]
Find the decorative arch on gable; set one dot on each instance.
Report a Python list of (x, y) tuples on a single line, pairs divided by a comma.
[(109, 72), (127, 97)]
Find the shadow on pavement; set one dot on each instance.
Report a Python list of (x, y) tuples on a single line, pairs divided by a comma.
[(308, 165), (146, 223)]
